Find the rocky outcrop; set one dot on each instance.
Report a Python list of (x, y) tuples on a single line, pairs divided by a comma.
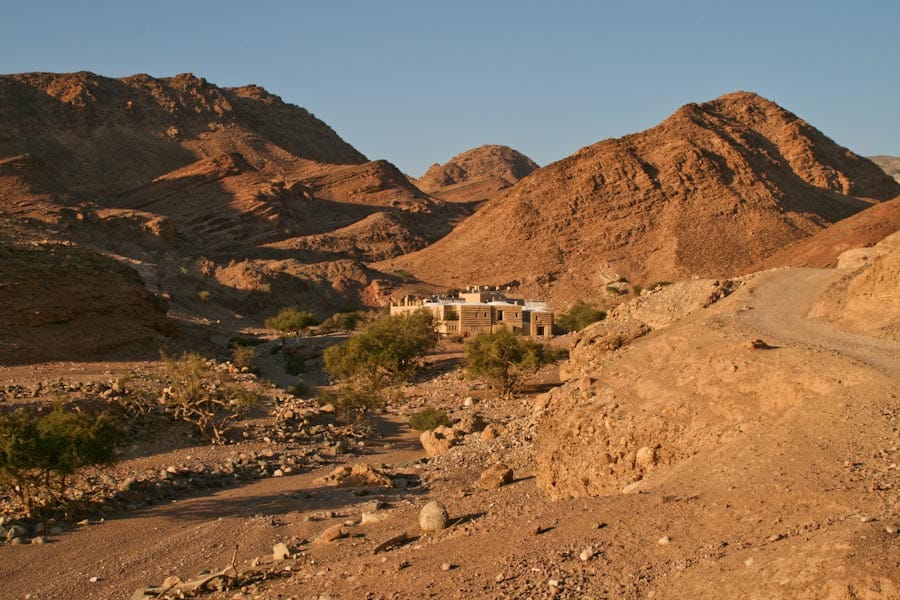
[(476, 174)]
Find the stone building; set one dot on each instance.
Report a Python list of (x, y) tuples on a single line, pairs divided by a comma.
[(481, 310)]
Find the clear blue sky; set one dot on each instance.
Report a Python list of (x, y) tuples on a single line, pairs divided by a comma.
[(415, 82)]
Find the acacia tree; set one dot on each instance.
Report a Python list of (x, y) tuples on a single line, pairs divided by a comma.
[(503, 358), (387, 352), (39, 454)]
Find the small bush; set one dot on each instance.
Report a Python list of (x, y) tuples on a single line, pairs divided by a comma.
[(579, 316), (292, 319), (637, 289), (38, 454), (294, 364), (503, 358), (353, 401), (204, 295), (342, 321), (199, 394), (238, 340), (428, 418), (244, 357)]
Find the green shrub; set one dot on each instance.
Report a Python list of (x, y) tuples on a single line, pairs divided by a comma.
[(199, 394), (292, 319), (294, 363), (637, 289), (39, 454), (244, 357), (501, 359), (204, 295), (299, 389), (428, 418), (354, 400), (342, 321), (579, 316)]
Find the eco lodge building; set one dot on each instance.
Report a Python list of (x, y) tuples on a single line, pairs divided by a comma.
[(481, 310)]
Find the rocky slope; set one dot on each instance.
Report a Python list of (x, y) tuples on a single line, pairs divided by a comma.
[(711, 191), (97, 134), (867, 299), (476, 174), (228, 201), (890, 165)]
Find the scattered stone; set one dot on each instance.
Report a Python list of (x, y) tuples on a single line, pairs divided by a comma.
[(645, 458), (359, 475), (15, 531), (332, 534), (278, 473), (39, 540), (664, 540), (281, 551), (891, 529), (499, 578), (438, 441), (586, 554), (171, 581), (433, 517), (469, 401), (371, 517), (470, 423), (390, 543), (489, 433), (495, 477), (446, 566), (94, 579), (757, 344), (371, 506)]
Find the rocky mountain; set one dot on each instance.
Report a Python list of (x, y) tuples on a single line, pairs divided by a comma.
[(890, 165), (710, 191), (476, 174), (229, 202)]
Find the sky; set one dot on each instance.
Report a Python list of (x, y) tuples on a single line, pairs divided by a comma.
[(416, 82)]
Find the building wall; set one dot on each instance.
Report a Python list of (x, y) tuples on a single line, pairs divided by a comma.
[(472, 319)]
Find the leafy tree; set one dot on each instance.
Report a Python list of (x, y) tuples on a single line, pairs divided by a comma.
[(387, 352), (199, 394), (39, 454), (503, 358), (292, 319), (579, 316)]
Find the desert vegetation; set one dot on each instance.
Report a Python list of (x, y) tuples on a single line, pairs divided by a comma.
[(503, 359)]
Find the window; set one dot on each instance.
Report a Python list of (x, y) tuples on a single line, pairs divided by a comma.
[(499, 315), (540, 330)]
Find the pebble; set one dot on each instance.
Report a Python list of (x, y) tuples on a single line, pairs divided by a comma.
[(891, 529), (446, 566), (278, 473), (499, 577), (586, 554), (94, 579), (39, 540), (664, 540)]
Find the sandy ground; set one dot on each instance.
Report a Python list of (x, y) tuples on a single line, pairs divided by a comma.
[(798, 506)]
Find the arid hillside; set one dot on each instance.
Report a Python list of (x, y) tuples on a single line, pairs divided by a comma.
[(230, 203), (890, 164), (711, 191), (476, 174), (101, 135)]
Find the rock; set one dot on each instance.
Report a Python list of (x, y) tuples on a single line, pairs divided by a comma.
[(171, 581), (664, 540), (446, 566), (470, 423), (359, 475), (757, 344), (278, 473), (327, 409), (469, 401), (39, 540), (55, 530), (438, 441), (495, 477), (645, 458), (433, 517), (15, 531), (371, 517), (332, 534), (891, 529), (371, 506), (489, 433), (281, 551), (586, 554)]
